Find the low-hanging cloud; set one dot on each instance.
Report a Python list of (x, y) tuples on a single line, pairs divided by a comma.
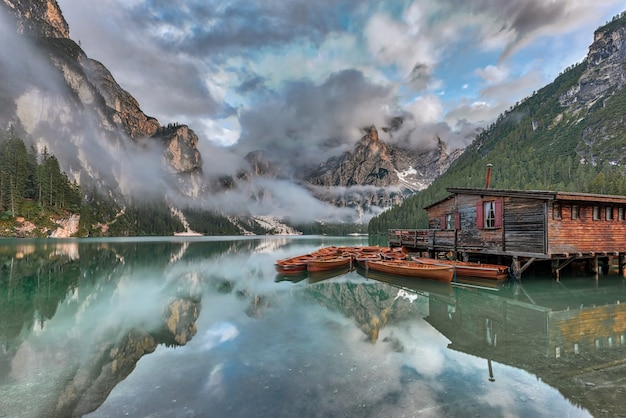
[(309, 122), (208, 65)]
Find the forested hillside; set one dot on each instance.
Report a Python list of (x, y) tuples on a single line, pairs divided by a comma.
[(31, 183), (538, 144), (35, 195)]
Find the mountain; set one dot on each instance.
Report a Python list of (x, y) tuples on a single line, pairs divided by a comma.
[(66, 104), (569, 136), (72, 105), (386, 173)]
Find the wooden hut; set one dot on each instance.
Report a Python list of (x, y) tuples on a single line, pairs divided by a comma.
[(523, 226)]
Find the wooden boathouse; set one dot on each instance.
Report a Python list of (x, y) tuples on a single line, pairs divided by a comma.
[(520, 227)]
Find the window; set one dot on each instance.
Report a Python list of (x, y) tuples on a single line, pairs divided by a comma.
[(490, 214), (608, 212), (449, 221), (556, 210), (596, 213), (620, 214), (575, 212)]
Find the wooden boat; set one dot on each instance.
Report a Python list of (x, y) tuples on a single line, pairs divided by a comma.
[(393, 254), (441, 289), (293, 265), (363, 258), (413, 269), (470, 269), (324, 263)]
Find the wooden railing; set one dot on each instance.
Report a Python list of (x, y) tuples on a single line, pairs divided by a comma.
[(422, 238)]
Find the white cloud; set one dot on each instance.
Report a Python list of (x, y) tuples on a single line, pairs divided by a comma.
[(493, 74), (426, 109)]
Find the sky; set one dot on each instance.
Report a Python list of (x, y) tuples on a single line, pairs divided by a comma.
[(303, 80), (300, 73)]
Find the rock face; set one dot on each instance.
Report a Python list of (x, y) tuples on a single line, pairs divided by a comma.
[(41, 18), (600, 86), (388, 172), (605, 70), (73, 106)]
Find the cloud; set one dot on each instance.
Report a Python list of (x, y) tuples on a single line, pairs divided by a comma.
[(310, 122), (302, 79)]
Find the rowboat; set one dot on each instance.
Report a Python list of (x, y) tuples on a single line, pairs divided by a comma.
[(413, 269), (363, 258), (324, 263), (293, 265), (393, 254), (441, 289), (470, 269)]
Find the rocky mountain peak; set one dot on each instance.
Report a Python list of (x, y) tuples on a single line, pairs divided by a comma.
[(38, 18), (373, 134), (605, 69), (367, 164), (72, 105)]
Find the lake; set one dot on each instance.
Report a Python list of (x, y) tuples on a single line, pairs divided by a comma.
[(195, 327)]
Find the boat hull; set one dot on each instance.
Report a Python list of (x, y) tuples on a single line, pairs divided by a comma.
[(329, 263), (293, 265), (413, 269), (468, 269)]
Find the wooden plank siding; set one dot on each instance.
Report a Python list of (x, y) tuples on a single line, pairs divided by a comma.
[(528, 224), (524, 225), (585, 234)]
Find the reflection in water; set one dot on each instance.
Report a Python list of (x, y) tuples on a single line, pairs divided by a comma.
[(201, 327), (74, 326)]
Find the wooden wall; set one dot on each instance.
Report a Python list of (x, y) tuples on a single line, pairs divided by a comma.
[(529, 227), (586, 235), (524, 225)]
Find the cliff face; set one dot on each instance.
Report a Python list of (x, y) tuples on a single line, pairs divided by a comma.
[(605, 70), (73, 106), (597, 95), (389, 172), (39, 18)]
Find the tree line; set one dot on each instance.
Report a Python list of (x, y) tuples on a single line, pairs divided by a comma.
[(31, 180), (535, 145)]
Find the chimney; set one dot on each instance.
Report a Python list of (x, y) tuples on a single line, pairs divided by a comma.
[(488, 179)]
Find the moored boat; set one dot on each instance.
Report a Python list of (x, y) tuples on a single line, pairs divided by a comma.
[(293, 265), (363, 258), (413, 269), (470, 269), (393, 254), (324, 263)]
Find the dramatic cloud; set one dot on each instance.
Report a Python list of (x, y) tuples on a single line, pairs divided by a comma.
[(301, 80), (205, 63)]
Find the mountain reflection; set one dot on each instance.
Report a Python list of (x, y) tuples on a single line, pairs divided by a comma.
[(571, 334), (87, 318), (78, 316)]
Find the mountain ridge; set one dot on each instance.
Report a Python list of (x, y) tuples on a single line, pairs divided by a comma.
[(570, 135)]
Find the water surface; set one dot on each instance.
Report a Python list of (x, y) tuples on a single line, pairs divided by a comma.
[(177, 327)]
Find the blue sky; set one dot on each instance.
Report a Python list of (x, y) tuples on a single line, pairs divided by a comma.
[(310, 76)]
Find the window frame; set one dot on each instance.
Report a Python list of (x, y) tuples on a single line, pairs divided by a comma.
[(556, 210), (450, 220), (481, 211)]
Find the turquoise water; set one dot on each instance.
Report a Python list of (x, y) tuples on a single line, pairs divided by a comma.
[(175, 327)]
